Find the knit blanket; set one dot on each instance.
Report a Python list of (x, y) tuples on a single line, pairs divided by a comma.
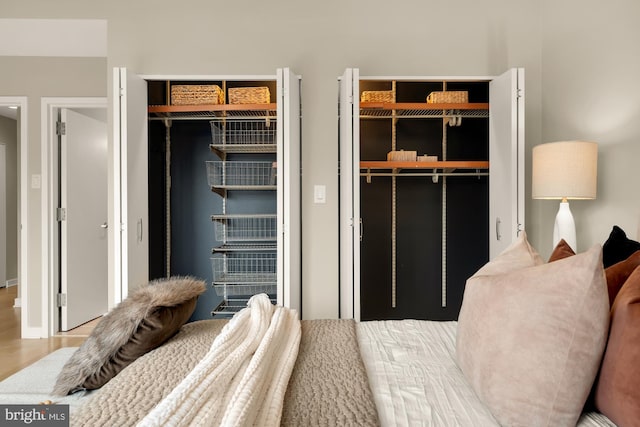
[(250, 361)]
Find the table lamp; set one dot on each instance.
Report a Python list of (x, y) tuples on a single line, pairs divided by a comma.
[(565, 170)]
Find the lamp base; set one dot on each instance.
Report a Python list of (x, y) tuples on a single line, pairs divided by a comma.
[(565, 227)]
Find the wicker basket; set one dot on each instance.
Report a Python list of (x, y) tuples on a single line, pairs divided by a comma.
[(401, 156), (377, 96), (249, 95), (448, 97), (427, 158), (196, 94)]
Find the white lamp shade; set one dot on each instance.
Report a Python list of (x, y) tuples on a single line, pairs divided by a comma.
[(565, 170)]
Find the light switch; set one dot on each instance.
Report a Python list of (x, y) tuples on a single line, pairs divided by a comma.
[(319, 194), (35, 181)]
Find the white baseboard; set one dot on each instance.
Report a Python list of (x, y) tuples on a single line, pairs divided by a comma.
[(17, 303), (32, 333), (11, 282)]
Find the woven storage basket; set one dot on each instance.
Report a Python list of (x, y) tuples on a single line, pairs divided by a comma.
[(448, 97), (427, 158), (196, 94), (401, 156), (377, 96), (249, 95)]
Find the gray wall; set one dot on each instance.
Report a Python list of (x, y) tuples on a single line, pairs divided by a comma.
[(591, 91), (581, 82), (9, 137)]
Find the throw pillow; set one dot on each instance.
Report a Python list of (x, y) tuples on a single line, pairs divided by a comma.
[(618, 273), (148, 317), (618, 247), (617, 393), (561, 251), (530, 341)]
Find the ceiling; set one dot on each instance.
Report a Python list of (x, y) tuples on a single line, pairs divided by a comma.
[(8, 112)]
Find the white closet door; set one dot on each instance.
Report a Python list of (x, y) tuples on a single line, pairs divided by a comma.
[(350, 194), (288, 190), (506, 159), (130, 180)]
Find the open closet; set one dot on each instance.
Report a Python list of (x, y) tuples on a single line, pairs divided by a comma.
[(220, 198), (431, 187)]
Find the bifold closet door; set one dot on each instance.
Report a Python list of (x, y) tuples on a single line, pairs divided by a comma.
[(289, 275), (349, 177), (129, 261), (506, 159)]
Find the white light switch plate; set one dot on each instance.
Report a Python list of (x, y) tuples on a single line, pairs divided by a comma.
[(319, 194), (35, 181)]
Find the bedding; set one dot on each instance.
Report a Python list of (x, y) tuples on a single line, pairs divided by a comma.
[(328, 384), (415, 379), (388, 373)]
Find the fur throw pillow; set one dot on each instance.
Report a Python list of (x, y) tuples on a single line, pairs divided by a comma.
[(148, 317)]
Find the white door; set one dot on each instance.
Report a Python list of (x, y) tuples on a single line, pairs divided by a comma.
[(131, 243), (350, 194), (288, 194), (83, 238), (506, 159)]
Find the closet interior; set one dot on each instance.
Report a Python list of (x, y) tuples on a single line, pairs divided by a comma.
[(213, 188), (424, 195)]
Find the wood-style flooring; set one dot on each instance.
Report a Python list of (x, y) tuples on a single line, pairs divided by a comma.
[(16, 353)]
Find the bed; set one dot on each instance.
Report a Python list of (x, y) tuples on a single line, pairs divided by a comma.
[(404, 372)]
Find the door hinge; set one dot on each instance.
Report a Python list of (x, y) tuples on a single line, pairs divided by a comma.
[(61, 128), (61, 214), (62, 300)]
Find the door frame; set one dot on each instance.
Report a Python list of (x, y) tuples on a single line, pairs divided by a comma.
[(49, 170), (22, 299)]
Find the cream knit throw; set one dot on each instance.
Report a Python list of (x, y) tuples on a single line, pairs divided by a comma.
[(242, 380)]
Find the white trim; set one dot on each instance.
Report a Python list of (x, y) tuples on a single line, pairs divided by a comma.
[(431, 78), (115, 234), (47, 131), (11, 282), (232, 78), (23, 150)]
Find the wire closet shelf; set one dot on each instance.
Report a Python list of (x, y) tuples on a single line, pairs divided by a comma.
[(244, 136), (241, 175)]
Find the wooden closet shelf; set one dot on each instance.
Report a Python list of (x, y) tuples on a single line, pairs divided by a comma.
[(213, 110), (423, 106), (449, 164)]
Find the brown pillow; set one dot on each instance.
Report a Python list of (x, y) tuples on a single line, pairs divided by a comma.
[(618, 273), (148, 317), (617, 392), (562, 250), (530, 341)]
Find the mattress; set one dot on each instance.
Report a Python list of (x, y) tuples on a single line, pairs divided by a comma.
[(415, 380)]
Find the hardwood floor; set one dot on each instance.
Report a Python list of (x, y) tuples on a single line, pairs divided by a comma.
[(16, 353)]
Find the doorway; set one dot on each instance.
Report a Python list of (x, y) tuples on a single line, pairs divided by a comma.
[(75, 184), (14, 110)]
